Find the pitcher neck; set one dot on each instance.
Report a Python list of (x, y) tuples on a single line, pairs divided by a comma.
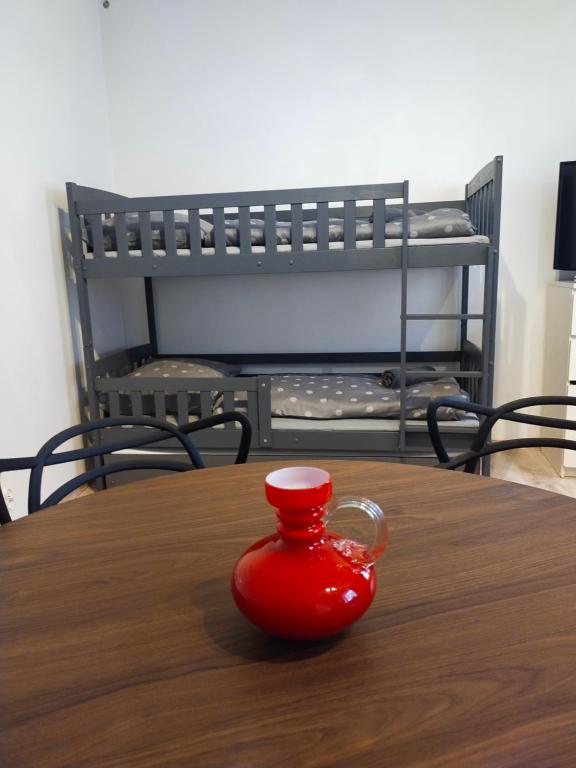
[(299, 526)]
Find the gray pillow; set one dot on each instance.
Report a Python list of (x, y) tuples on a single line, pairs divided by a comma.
[(395, 213), (441, 222), (183, 368)]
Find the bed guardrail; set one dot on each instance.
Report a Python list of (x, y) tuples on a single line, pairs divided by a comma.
[(185, 399), (214, 207), (483, 195)]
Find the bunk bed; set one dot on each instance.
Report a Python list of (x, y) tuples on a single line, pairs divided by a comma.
[(369, 227)]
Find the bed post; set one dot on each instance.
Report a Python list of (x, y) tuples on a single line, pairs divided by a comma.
[(465, 294), (83, 301), (403, 317), (151, 315), (495, 250), (483, 202), (464, 305)]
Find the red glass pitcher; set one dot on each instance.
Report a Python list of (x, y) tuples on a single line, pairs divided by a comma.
[(302, 582)]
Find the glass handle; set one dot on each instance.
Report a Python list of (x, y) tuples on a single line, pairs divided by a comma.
[(361, 554)]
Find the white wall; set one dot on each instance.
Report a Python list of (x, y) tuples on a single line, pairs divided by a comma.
[(54, 128), (226, 95)]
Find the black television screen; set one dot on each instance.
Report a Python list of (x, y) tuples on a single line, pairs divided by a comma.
[(565, 247)]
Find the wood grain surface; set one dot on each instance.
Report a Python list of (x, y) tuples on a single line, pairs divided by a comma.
[(121, 645)]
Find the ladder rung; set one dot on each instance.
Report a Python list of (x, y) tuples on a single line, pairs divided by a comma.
[(440, 374), (444, 317)]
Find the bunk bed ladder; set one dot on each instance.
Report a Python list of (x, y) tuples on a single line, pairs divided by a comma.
[(463, 317), (487, 316)]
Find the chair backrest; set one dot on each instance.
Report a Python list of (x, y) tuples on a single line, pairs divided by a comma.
[(507, 412), (156, 431), (12, 465)]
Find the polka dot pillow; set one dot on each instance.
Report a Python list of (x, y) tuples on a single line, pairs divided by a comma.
[(185, 368), (442, 222), (172, 368)]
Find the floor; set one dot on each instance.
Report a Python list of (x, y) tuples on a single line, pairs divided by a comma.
[(530, 467)]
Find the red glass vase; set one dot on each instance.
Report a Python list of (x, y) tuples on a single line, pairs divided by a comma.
[(302, 582)]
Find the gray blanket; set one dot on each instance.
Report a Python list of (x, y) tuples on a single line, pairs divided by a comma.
[(182, 233), (357, 396), (170, 368), (443, 222)]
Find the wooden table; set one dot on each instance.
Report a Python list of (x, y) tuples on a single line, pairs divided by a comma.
[(121, 645)]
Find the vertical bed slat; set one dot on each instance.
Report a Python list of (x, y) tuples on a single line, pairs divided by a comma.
[(182, 407), (323, 236), (121, 235), (229, 405), (114, 403), (296, 236), (95, 223), (403, 313), (264, 419), (349, 224), (478, 211), (160, 405), (145, 234), (485, 348), (219, 231), (252, 412), (136, 403), (245, 231), (194, 232), (379, 224), (270, 228), (169, 234), (206, 406), (491, 211)]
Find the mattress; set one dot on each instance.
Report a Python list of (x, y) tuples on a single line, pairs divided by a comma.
[(470, 421), (360, 245)]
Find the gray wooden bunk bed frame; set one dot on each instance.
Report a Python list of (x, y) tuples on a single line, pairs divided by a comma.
[(104, 379)]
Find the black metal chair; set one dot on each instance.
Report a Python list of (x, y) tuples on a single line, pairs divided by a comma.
[(507, 412), (157, 431)]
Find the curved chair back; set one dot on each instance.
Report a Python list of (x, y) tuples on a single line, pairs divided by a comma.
[(156, 431), (159, 430), (507, 412)]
